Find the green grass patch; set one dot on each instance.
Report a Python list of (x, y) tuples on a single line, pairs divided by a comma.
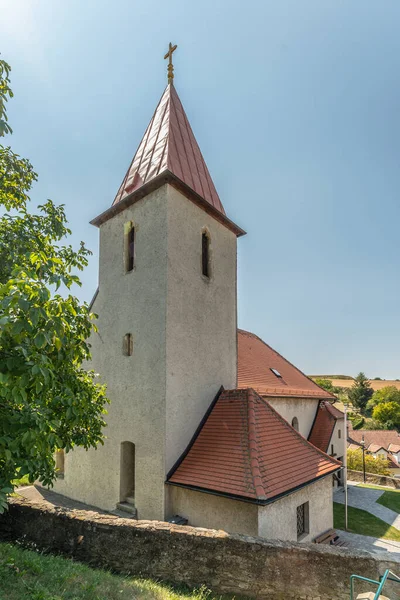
[(362, 522), (29, 575), (378, 487)]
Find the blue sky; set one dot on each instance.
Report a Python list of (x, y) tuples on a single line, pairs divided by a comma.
[(295, 106)]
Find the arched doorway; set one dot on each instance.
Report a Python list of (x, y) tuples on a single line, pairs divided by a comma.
[(127, 472)]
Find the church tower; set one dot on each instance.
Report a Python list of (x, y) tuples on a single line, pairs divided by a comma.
[(167, 308)]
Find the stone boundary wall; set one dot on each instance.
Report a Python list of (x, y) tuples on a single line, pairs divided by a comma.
[(374, 478), (225, 563)]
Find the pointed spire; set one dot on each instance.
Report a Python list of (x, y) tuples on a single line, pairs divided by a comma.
[(169, 145)]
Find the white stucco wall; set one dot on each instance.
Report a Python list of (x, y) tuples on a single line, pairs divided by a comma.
[(213, 512), (279, 519), (303, 408), (201, 320), (184, 345), (135, 303), (336, 442)]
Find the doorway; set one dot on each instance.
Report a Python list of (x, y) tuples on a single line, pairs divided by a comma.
[(127, 473)]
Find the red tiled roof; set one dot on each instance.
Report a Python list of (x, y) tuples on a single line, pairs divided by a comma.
[(169, 145), (393, 464), (324, 424), (382, 437), (375, 448), (394, 448), (245, 449), (255, 361)]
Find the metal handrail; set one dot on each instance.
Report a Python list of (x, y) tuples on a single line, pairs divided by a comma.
[(382, 580)]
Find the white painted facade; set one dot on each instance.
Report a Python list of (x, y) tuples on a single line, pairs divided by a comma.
[(160, 393), (277, 520), (304, 409)]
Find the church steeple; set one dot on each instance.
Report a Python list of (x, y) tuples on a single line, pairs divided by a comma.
[(169, 145)]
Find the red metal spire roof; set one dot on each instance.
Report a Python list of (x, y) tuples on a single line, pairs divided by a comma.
[(245, 449), (169, 145), (266, 371)]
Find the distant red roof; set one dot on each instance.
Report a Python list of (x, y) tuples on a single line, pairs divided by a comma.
[(324, 424), (245, 449), (384, 438), (256, 362)]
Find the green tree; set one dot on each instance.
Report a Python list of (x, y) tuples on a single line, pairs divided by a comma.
[(389, 393), (326, 384), (387, 413), (48, 401), (360, 392), (372, 465)]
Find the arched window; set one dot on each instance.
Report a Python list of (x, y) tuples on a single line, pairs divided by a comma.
[(60, 462), (205, 254), (295, 423)]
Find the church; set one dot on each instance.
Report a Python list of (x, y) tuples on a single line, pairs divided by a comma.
[(206, 421)]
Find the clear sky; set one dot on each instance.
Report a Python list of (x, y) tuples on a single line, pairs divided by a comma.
[(295, 105)]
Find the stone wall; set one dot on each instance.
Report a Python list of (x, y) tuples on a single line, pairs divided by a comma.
[(225, 563), (374, 479)]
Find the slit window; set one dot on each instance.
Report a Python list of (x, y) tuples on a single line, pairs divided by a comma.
[(205, 254), (130, 248), (128, 344)]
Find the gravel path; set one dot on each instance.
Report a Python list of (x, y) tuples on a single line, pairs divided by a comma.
[(365, 499)]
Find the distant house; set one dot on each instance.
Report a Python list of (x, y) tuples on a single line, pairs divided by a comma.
[(378, 442)]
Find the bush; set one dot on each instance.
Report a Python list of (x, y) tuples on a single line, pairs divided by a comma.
[(372, 465)]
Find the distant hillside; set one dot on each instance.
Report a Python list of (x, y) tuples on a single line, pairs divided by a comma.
[(345, 381), (331, 377)]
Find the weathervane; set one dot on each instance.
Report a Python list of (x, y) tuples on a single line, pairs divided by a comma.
[(171, 49)]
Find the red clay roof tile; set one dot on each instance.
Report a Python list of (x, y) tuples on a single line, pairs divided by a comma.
[(383, 437), (324, 424), (246, 449), (169, 145), (255, 361)]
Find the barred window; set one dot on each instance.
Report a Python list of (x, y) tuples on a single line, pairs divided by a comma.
[(302, 520)]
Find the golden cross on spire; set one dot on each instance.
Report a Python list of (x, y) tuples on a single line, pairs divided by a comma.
[(171, 49)]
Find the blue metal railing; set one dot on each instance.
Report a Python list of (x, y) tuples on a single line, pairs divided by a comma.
[(387, 576)]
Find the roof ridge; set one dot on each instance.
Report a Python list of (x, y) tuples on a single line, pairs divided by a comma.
[(286, 360), (302, 438), (253, 446)]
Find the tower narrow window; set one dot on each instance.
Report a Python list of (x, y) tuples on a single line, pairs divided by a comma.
[(60, 463), (130, 247), (128, 344), (205, 253), (295, 423)]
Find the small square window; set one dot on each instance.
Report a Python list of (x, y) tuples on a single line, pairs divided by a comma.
[(302, 513)]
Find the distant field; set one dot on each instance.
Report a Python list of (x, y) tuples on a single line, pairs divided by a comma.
[(345, 381)]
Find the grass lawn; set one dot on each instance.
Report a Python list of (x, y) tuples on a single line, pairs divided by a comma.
[(389, 498), (362, 522), (25, 574)]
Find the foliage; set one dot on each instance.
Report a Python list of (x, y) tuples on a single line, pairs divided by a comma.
[(357, 422), (373, 425), (47, 400), (326, 384), (387, 413), (364, 523), (389, 393), (372, 465), (26, 574), (360, 392)]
